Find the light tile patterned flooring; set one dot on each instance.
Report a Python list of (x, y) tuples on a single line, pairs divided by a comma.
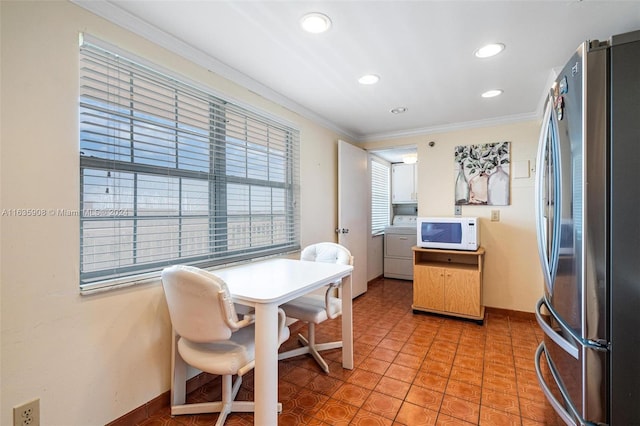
[(410, 369)]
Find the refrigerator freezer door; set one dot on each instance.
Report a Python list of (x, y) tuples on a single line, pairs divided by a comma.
[(577, 367)]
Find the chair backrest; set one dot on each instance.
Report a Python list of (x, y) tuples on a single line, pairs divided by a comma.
[(328, 253), (194, 299)]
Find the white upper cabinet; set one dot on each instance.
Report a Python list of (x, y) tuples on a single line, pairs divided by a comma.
[(404, 183)]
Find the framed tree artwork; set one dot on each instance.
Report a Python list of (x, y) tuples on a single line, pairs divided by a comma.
[(482, 174)]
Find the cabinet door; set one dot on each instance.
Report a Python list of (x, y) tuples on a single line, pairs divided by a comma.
[(403, 183), (462, 292), (428, 287)]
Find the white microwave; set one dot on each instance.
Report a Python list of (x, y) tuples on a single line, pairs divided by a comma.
[(453, 233)]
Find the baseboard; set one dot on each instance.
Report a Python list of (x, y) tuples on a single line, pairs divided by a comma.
[(158, 403), (379, 277), (510, 313)]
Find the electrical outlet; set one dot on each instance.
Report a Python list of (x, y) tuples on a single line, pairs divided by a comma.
[(27, 414), (458, 210), (495, 215)]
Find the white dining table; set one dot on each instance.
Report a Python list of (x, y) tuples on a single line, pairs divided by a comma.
[(265, 285)]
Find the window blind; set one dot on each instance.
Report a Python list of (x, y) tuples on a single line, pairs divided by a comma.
[(170, 173), (380, 197)]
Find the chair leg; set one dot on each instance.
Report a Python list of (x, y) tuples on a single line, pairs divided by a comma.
[(293, 353), (309, 346), (298, 351), (323, 364), (230, 405), (229, 393), (227, 405), (328, 345), (313, 350)]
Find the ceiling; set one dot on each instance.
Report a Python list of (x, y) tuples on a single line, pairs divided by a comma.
[(422, 51)]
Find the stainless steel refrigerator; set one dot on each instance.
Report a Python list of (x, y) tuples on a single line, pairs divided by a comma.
[(588, 225)]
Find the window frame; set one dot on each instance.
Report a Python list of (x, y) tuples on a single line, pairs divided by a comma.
[(378, 205), (276, 206)]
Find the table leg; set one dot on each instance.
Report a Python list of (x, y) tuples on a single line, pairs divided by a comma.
[(347, 324), (266, 369)]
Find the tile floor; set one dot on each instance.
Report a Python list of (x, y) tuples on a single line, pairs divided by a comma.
[(410, 369)]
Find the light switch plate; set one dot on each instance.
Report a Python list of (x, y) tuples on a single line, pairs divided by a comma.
[(495, 215), (521, 169)]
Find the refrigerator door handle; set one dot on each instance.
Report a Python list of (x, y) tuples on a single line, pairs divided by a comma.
[(557, 406), (598, 344), (539, 198), (555, 336), (569, 418), (548, 143)]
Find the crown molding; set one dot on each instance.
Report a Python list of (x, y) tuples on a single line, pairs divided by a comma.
[(498, 121), (126, 20)]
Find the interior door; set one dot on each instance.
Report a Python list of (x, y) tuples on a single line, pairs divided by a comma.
[(353, 209)]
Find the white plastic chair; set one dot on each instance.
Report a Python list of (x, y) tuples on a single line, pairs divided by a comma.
[(210, 337), (315, 308)]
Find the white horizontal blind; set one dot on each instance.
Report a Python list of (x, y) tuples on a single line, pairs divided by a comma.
[(172, 174), (380, 197)]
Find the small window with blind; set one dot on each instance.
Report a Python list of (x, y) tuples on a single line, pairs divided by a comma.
[(170, 173), (380, 196)]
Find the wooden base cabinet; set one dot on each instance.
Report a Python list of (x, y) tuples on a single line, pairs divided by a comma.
[(448, 282)]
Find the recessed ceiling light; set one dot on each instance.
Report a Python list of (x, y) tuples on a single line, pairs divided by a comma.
[(315, 23), (489, 50), (369, 79), (398, 110), (492, 93)]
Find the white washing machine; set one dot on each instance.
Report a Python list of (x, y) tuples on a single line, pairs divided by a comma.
[(399, 238)]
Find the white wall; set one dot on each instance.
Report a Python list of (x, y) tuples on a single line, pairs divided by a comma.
[(512, 275), (90, 359)]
